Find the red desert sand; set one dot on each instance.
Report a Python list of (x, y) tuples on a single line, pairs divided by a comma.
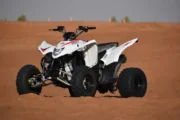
[(157, 53)]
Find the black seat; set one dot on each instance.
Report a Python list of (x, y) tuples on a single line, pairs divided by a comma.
[(104, 46)]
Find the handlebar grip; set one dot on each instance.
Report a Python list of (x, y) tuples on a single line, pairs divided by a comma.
[(50, 29), (91, 28), (53, 29)]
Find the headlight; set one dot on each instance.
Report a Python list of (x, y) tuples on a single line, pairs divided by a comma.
[(57, 51)]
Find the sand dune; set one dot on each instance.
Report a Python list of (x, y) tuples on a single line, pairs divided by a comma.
[(157, 53)]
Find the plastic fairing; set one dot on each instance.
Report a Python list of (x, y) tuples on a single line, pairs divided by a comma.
[(91, 55), (45, 48), (89, 48), (112, 55)]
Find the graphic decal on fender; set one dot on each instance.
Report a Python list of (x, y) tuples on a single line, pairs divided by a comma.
[(127, 43), (43, 50)]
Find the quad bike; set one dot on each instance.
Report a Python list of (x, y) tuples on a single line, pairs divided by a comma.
[(83, 67)]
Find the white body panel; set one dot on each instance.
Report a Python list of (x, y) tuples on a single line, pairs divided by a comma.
[(88, 47), (68, 47), (112, 54), (91, 55), (45, 48)]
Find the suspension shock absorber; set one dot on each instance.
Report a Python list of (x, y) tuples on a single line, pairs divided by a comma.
[(47, 64), (68, 68)]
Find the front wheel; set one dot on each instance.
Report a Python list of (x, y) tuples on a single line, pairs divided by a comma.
[(24, 77), (83, 82), (132, 82)]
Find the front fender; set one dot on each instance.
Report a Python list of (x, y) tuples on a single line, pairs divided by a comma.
[(45, 48), (112, 55)]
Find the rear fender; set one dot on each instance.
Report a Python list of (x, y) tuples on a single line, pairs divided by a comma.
[(45, 48), (112, 55)]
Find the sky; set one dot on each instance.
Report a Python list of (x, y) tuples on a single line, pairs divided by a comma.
[(92, 10)]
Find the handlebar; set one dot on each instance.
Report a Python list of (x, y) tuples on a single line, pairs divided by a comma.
[(59, 28), (86, 28), (53, 30), (72, 35), (91, 28)]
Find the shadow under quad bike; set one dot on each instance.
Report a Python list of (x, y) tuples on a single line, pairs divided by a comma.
[(83, 67)]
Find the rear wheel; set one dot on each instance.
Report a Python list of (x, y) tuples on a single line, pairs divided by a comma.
[(83, 83), (132, 82), (24, 78)]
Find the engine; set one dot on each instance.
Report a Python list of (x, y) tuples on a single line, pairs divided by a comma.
[(61, 67), (50, 66)]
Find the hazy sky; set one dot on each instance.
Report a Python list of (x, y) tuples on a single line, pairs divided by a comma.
[(96, 10)]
